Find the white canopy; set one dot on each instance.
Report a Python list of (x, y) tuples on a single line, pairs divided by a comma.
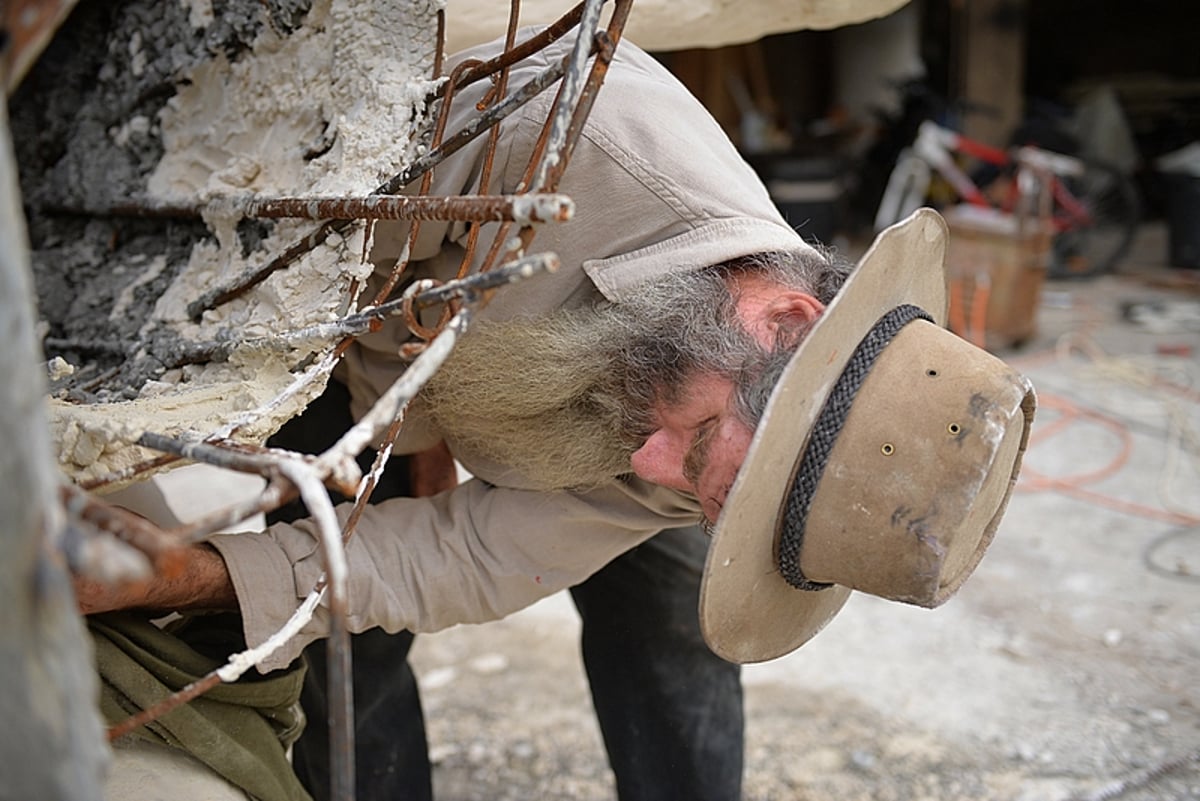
[(671, 24)]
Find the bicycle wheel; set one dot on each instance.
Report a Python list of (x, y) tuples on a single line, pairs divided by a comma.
[(1098, 214)]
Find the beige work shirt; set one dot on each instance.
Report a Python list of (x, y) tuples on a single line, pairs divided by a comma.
[(658, 188)]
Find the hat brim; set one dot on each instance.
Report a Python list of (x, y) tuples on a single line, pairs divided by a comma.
[(748, 611)]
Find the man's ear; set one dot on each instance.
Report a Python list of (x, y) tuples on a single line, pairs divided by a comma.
[(772, 313), (792, 311)]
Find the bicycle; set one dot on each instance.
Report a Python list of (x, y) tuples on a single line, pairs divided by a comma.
[(1092, 208)]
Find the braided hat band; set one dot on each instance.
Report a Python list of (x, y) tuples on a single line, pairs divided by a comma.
[(824, 435)]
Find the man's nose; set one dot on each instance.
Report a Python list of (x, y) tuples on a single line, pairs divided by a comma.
[(660, 461)]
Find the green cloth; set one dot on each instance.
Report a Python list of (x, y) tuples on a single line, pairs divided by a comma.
[(240, 730)]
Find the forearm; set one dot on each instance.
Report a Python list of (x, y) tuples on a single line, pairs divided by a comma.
[(476, 553), (202, 583)]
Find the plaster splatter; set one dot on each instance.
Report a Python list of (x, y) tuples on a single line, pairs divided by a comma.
[(333, 106)]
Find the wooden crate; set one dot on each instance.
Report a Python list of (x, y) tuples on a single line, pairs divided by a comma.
[(996, 264)]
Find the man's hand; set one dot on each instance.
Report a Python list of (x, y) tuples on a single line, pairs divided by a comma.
[(203, 583)]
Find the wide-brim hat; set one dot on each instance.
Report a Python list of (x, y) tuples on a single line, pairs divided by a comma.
[(883, 461)]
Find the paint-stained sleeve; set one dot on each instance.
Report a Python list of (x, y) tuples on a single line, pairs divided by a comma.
[(469, 555)]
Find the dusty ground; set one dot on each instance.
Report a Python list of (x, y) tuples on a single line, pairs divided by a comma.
[(1065, 667)]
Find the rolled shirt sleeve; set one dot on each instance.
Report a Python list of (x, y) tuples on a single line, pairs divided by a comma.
[(469, 555)]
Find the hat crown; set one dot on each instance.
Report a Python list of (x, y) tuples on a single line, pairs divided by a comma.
[(920, 472)]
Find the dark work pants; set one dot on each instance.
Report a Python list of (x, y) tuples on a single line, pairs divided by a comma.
[(670, 711)]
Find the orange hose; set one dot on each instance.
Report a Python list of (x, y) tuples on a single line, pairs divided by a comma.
[(1075, 485)]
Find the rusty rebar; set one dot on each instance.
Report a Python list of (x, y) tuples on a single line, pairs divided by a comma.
[(605, 46), (466, 208), (277, 492), (562, 129), (435, 141), (521, 208), (569, 93), (165, 553), (339, 687), (199, 450), (551, 33), (352, 325), (382, 453), (172, 701), (485, 173), (439, 51), (126, 473)]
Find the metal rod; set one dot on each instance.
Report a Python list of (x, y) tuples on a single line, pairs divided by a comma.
[(127, 473), (393, 402), (527, 208), (166, 553), (262, 464), (172, 701), (605, 45), (364, 321), (340, 690), (572, 88), (211, 453), (546, 36), (234, 667), (277, 493), (531, 208), (290, 475)]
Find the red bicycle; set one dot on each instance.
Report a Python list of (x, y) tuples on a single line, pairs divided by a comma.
[(1092, 207)]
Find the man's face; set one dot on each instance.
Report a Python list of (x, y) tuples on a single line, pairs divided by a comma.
[(700, 440), (699, 444)]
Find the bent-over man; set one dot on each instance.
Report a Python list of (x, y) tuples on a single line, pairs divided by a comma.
[(604, 412)]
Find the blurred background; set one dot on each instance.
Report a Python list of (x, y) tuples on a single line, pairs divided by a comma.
[(824, 114)]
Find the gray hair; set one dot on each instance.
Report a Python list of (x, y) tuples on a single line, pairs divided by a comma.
[(821, 273), (687, 323)]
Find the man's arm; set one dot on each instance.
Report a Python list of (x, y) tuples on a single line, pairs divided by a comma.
[(203, 584), (473, 554)]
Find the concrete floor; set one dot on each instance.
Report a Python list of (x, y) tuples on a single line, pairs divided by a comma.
[(1065, 669)]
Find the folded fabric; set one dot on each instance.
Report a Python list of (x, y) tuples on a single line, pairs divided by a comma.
[(240, 730)]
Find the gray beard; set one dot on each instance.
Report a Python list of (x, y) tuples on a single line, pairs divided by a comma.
[(565, 399), (538, 396)]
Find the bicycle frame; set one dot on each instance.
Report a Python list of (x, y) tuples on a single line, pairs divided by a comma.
[(934, 150)]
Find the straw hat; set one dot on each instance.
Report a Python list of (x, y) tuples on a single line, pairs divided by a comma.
[(883, 462)]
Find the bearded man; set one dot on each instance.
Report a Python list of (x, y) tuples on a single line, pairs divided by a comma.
[(558, 390), (565, 402), (590, 405), (603, 411)]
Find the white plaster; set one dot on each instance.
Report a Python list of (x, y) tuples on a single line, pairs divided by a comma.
[(356, 70)]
